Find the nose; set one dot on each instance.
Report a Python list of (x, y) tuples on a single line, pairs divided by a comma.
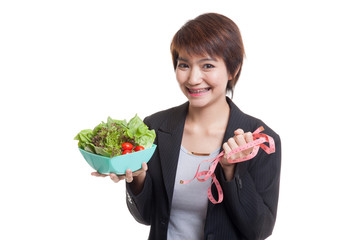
[(195, 76)]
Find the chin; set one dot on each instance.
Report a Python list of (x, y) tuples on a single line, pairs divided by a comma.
[(200, 103)]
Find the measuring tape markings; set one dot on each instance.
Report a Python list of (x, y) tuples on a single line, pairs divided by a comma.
[(258, 142)]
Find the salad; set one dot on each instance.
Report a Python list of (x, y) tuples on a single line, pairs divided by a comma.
[(116, 137)]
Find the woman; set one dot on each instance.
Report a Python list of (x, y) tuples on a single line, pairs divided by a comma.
[(207, 54)]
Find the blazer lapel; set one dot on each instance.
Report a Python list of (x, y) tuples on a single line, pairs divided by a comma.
[(169, 137), (236, 120)]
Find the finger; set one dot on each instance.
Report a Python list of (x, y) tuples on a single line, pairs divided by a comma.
[(240, 140), (248, 138), (144, 166), (114, 177), (97, 174), (142, 170), (128, 176), (227, 150), (238, 131), (231, 144)]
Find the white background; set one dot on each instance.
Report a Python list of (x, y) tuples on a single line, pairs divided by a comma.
[(68, 65)]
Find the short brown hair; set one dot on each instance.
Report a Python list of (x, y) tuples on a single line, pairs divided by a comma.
[(215, 35)]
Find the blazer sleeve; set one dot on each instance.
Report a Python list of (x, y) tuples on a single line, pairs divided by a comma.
[(140, 205), (251, 197)]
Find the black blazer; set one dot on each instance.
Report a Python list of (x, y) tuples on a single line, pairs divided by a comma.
[(248, 210)]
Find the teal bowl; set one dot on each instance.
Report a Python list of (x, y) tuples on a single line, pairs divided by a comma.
[(118, 164)]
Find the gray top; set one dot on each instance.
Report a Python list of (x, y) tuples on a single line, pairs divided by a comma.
[(190, 201)]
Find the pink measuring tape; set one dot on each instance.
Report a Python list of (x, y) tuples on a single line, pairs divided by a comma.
[(259, 140)]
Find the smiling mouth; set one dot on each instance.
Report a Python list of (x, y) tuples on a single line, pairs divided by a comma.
[(198, 91)]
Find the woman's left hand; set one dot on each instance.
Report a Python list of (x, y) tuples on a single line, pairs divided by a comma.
[(238, 140)]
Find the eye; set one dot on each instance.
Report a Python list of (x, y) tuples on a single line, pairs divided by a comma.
[(207, 66), (183, 65)]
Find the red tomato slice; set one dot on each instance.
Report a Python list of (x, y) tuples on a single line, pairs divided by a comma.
[(127, 146), (126, 151), (139, 148)]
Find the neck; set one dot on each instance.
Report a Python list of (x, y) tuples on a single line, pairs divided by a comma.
[(214, 116)]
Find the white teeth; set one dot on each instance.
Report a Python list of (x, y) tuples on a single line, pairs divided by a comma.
[(199, 90)]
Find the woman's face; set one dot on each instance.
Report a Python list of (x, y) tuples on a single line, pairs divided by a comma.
[(202, 79)]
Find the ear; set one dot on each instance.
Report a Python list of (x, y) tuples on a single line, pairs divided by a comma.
[(237, 70), (236, 73)]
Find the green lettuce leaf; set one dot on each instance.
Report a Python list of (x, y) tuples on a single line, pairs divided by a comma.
[(84, 137), (140, 132)]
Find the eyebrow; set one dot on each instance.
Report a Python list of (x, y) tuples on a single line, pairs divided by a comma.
[(201, 60)]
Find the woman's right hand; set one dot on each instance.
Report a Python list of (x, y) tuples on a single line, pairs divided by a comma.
[(137, 177)]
